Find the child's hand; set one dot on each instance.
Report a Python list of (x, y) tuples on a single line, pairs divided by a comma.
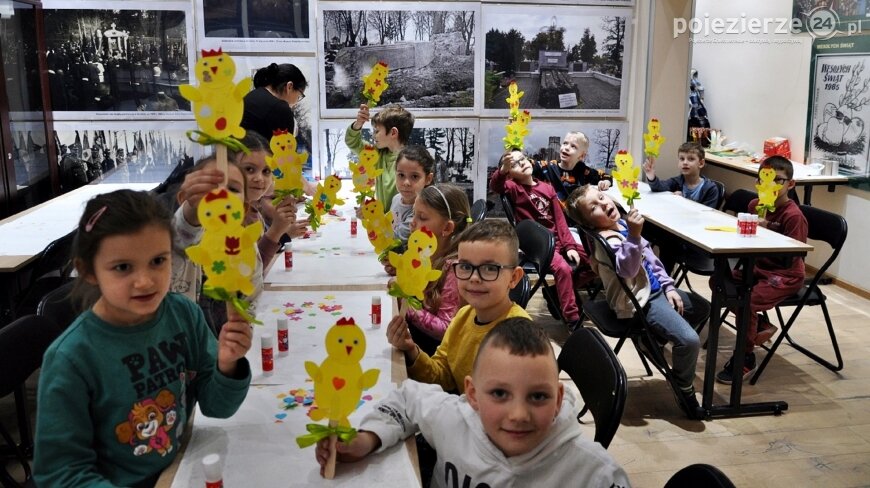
[(194, 188), (649, 168), (233, 342), (399, 336), (298, 229), (603, 185), (635, 222), (361, 117), (675, 300), (573, 256), (361, 446)]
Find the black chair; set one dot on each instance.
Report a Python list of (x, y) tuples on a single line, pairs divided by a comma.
[(537, 245), (508, 207), (478, 210), (58, 306), (692, 261), (697, 475), (636, 329), (599, 376), (22, 344), (51, 269), (738, 201), (521, 294), (830, 228)]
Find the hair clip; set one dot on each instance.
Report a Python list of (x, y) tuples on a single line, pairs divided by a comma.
[(469, 220), (94, 218)]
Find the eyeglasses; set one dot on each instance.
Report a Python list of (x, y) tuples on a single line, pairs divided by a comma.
[(779, 180), (301, 96), (487, 272)]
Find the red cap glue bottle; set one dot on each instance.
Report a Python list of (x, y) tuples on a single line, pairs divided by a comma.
[(376, 312), (283, 338), (267, 343), (211, 465)]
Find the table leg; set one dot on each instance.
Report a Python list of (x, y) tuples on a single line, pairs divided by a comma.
[(808, 194)]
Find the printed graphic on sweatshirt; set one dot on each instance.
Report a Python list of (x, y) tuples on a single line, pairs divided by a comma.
[(149, 424)]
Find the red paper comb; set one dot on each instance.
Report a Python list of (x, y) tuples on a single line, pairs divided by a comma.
[(653, 119), (212, 52), (622, 151), (278, 132), (215, 196), (345, 321), (384, 64), (426, 231)]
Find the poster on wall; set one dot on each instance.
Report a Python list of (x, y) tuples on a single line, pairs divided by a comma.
[(430, 50), (127, 62), (453, 143), (569, 61), (622, 3), (839, 103), (121, 152), (264, 26), (305, 111), (824, 17)]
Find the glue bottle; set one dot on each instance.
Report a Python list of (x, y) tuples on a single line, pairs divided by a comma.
[(376, 312), (288, 256), (211, 465), (266, 351), (283, 338)]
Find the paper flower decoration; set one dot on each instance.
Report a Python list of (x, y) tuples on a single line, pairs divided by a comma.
[(365, 173), (517, 131), (217, 101), (768, 190), (286, 165), (625, 176), (513, 99), (414, 267), (653, 139), (338, 385), (227, 251), (325, 197), (379, 226), (375, 83)]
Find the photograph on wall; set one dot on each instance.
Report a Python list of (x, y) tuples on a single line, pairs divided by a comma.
[(621, 3), (543, 143), (305, 111), (126, 62), (452, 143), (120, 152), (839, 103), (568, 61), (429, 50), (264, 26)]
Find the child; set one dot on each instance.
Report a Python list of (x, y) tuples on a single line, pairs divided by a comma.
[(443, 209), (511, 428), (536, 200), (669, 311), (486, 270), (391, 129), (118, 386), (776, 278), (414, 171), (690, 184), (570, 172)]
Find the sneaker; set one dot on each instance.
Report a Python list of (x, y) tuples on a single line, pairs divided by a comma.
[(766, 330), (726, 375), (690, 405)]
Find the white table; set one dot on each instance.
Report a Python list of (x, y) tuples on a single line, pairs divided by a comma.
[(257, 444), (689, 221)]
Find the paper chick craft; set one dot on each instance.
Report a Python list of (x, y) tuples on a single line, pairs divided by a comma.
[(379, 226), (227, 251), (517, 130), (286, 165), (217, 101), (414, 267), (375, 83), (625, 176), (365, 173), (325, 197), (653, 139), (768, 190), (513, 99), (338, 385)]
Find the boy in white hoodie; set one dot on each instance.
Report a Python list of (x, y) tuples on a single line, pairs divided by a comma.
[(510, 428)]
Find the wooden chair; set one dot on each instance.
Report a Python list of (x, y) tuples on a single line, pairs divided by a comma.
[(599, 376)]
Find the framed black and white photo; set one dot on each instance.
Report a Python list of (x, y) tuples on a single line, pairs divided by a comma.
[(431, 50), (127, 62), (621, 3), (453, 143), (264, 26), (568, 61)]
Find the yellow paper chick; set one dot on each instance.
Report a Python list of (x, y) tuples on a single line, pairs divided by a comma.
[(625, 176), (513, 99), (325, 197), (375, 83), (286, 164), (414, 267), (517, 131), (227, 251), (339, 380), (378, 224), (366, 171), (768, 190), (217, 101), (653, 139)]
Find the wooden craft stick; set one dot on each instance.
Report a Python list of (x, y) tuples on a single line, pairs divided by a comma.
[(329, 470)]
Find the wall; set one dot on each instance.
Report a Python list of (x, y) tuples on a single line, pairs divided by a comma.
[(757, 87)]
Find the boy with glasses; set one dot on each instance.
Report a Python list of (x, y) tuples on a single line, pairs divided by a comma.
[(776, 278), (486, 270)]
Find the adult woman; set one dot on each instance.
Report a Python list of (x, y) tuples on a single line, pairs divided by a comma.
[(277, 88)]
